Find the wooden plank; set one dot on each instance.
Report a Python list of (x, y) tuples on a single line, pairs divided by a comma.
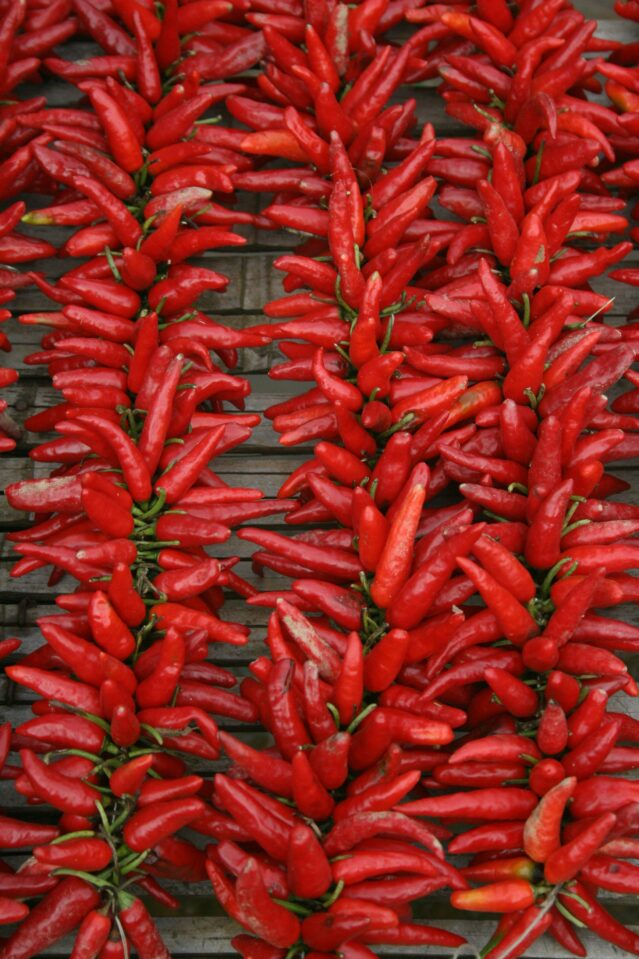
[(197, 936)]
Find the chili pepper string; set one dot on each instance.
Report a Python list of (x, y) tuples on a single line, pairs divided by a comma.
[(22, 44), (17, 65), (512, 619), (131, 506)]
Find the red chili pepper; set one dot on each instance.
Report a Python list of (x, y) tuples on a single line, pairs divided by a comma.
[(509, 895), (318, 718), (378, 797), (91, 936), (62, 792), (519, 700), (587, 717), (396, 558), (57, 914), (314, 647), (502, 748), (596, 918), (128, 778), (259, 913), (308, 870), (334, 562), (140, 928), (421, 590), (163, 819), (552, 733), (491, 804), (329, 759), (53, 686), (348, 690), (288, 727), (271, 832), (607, 873), (584, 759), (566, 861), (108, 629), (384, 662), (543, 828), (89, 855), (16, 834), (269, 772), (309, 794), (489, 838), (64, 731), (122, 140)]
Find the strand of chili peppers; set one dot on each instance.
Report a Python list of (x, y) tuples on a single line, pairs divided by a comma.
[(315, 785), (44, 158), (565, 852), (24, 39), (342, 508), (123, 672)]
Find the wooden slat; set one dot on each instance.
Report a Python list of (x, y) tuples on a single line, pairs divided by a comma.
[(198, 936)]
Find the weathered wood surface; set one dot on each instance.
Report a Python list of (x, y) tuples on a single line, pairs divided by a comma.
[(202, 930), (200, 936)]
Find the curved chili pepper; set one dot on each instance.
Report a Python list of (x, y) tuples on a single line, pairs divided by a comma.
[(128, 778), (152, 824), (489, 838), (58, 913), (62, 792), (74, 694), (509, 895), (586, 758), (348, 690), (520, 700), (308, 870), (599, 920), (421, 590), (259, 913), (89, 855), (566, 861), (140, 928), (542, 829), (91, 936), (268, 831)]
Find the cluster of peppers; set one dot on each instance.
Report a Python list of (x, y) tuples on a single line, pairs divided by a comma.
[(24, 39), (421, 647), (384, 609), (129, 501)]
